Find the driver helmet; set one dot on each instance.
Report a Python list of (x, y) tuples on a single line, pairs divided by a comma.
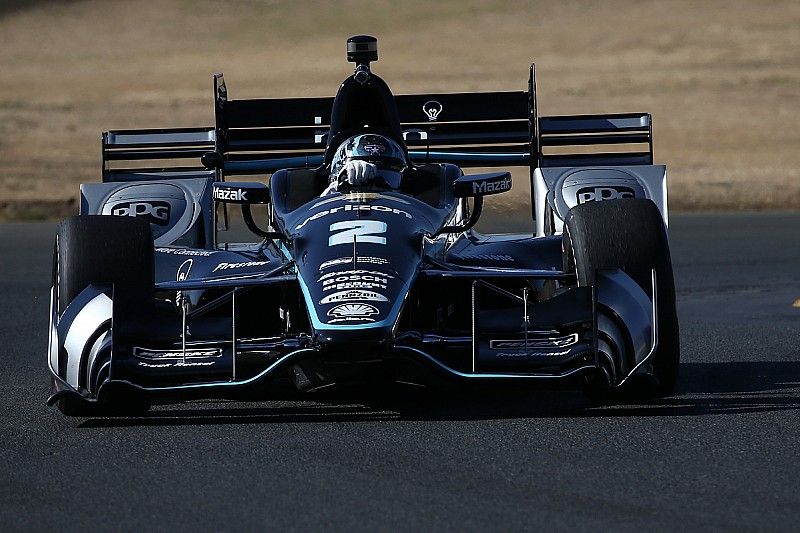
[(386, 154)]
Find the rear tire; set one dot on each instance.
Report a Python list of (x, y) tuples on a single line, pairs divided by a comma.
[(630, 235), (102, 249)]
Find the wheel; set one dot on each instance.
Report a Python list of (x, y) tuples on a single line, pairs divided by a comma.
[(629, 234), (105, 249), (97, 249)]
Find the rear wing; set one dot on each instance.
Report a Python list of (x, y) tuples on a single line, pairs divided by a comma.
[(480, 129), (634, 131), (136, 155), (467, 129)]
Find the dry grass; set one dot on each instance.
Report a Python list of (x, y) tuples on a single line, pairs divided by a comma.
[(722, 78)]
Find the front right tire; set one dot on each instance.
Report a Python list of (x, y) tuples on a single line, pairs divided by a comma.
[(629, 235), (103, 249)]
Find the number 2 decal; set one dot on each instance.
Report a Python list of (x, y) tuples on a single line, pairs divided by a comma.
[(358, 230)]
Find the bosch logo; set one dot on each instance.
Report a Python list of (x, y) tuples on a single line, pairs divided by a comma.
[(598, 194), (155, 212)]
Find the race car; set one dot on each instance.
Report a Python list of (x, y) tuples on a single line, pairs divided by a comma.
[(365, 264)]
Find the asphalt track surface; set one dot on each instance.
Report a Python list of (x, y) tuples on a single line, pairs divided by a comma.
[(721, 454)]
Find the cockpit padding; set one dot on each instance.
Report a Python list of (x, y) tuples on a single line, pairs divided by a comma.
[(432, 184), (294, 187)]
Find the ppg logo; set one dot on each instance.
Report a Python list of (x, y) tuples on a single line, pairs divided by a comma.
[(155, 212), (598, 194)]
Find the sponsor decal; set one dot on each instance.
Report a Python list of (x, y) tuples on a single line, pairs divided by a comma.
[(598, 194), (244, 264), (213, 281), (350, 231), (555, 342), (185, 251), (234, 195), (330, 275), (359, 197), (354, 275), (486, 186), (352, 312), (350, 207), (155, 212), (355, 279), (347, 285), (432, 108), (374, 148), (531, 354), (491, 257), (176, 364), (349, 260), (147, 353), (353, 295), (184, 269)]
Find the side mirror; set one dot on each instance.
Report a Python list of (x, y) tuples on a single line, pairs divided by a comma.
[(246, 192), (482, 184)]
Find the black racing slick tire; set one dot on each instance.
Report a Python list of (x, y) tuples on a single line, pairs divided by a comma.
[(630, 235), (102, 249), (95, 249)]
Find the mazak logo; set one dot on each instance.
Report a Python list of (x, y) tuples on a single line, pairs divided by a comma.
[(234, 195), (155, 212), (484, 187), (598, 194)]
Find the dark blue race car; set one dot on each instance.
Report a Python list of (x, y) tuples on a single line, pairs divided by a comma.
[(367, 266)]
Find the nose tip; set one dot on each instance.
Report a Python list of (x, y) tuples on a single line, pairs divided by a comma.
[(358, 339)]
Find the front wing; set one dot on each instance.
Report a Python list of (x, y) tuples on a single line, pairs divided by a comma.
[(609, 328)]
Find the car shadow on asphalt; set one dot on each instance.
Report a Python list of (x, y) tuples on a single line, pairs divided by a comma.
[(703, 389)]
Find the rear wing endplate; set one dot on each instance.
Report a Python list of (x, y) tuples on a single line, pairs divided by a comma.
[(148, 154)]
